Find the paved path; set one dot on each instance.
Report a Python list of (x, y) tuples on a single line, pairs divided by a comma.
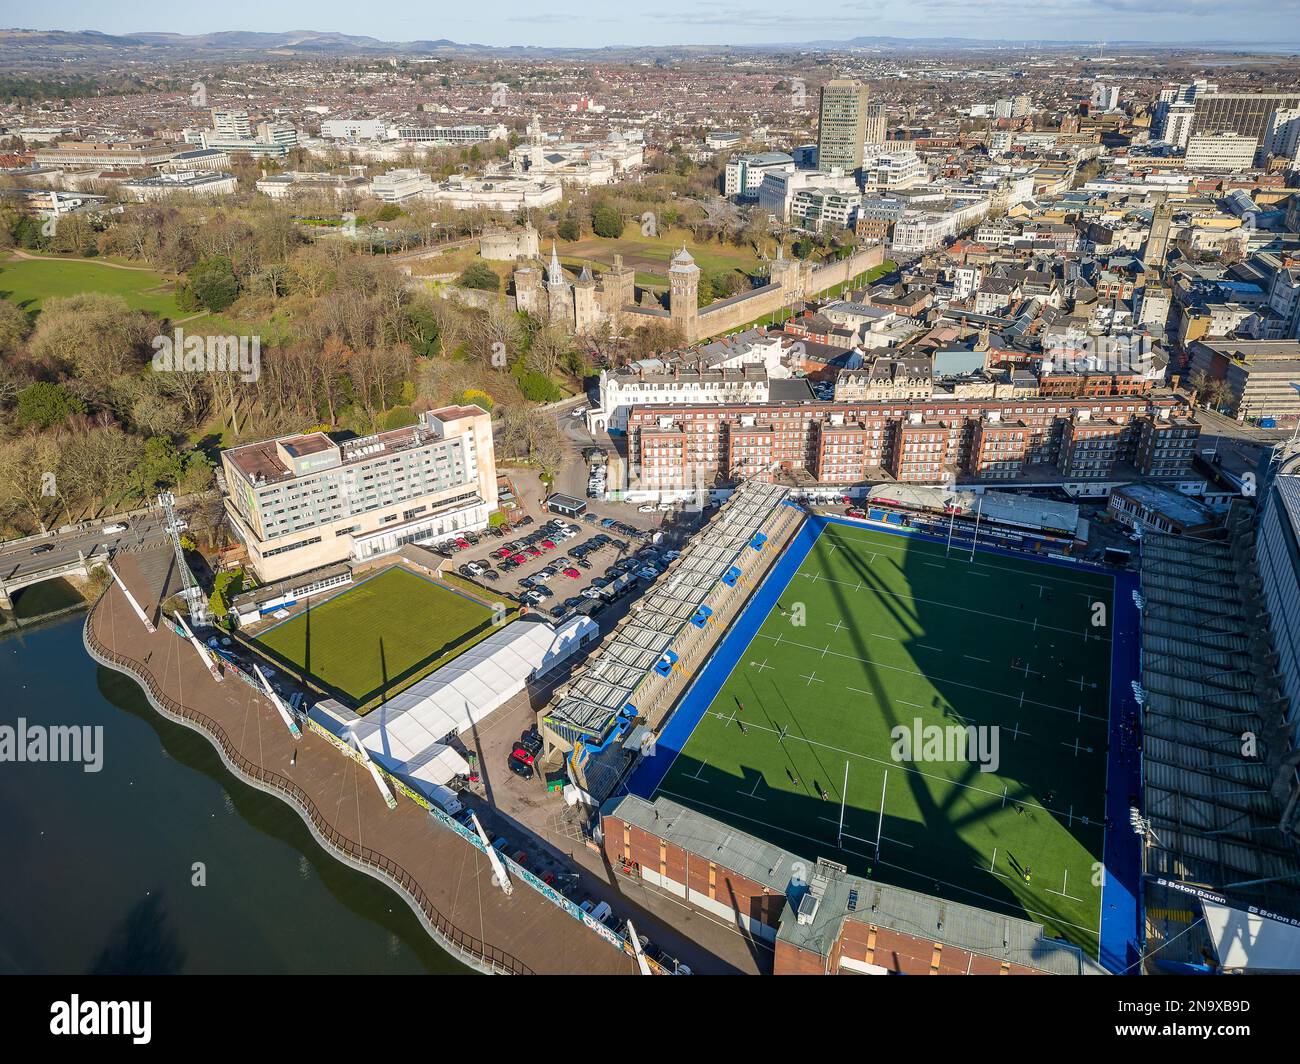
[(447, 881)]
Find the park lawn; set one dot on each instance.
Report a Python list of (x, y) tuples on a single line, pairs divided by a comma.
[(650, 255), (377, 636), (895, 631), (29, 282)]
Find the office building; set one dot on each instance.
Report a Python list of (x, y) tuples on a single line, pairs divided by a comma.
[(1247, 114), (1220, 151), (744, 173), (841, 125)]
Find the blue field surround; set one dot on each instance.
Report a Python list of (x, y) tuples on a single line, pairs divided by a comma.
[(1121, 854)]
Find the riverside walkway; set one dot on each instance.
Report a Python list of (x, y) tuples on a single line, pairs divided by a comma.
[(446, 881)]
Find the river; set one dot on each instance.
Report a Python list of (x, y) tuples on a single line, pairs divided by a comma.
[(100, 867)]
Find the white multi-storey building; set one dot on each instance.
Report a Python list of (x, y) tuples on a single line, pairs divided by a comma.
[(1220, 151), (300, 502), (353, 129), (776, 193), (744, 173)]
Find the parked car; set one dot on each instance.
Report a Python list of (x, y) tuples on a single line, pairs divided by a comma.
[(114, 529), (519, 767), (42, 548), (646, 508)]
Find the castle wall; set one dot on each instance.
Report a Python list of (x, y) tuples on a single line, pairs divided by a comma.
[(799, 284)]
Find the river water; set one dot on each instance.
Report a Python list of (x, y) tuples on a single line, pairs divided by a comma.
[(99, 868)]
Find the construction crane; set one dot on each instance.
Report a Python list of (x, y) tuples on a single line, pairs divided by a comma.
[(195, 600)]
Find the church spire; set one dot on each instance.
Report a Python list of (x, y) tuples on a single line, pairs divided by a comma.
[(554, 274)]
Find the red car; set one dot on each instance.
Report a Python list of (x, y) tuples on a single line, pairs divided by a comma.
[(533, 552), (518, 559), (501, 552), (462, 544), (522, 753), (548, 544), (572, 573)]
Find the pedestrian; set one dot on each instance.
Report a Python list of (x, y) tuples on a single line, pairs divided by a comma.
[(825, 797), (740, 706), (741, 726), (1028, 874)]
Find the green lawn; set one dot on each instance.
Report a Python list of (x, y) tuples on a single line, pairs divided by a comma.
[(650, 255), (878, 632), (380, 635), (28, 282)]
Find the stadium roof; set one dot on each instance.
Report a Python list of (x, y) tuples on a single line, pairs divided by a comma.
[(1250, 942), (588, 705), (1205, 663), (1003, 938), (1000, 507)]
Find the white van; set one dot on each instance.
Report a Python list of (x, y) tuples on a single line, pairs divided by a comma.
[(445, 799), (110, 530)]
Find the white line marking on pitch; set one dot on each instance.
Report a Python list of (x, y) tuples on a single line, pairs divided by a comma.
[(972, 657), (762, 664), (926, 646), (700, 769)]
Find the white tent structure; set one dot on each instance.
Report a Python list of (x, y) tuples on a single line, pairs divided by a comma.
[(406, 734)]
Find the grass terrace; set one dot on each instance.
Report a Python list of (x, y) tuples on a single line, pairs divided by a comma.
[(379, 636)]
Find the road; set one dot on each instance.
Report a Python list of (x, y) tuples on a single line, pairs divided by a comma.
[(17, 559)]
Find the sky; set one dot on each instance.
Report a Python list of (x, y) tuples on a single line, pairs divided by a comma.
[(574, 23)]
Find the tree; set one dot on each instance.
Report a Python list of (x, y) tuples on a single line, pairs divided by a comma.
[(607, 222), (45, 404), (92, 338), (214, 284), (28, 470), (14, 327), (479, 276), (569, 229)]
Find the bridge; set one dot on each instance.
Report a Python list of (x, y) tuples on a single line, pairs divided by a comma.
[(81, 567)]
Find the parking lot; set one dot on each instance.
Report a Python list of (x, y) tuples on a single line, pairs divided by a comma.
[(559, 566)]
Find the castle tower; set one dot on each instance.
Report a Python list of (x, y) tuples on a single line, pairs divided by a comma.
[(787, 274), (528, 289), (586, 311), (535, 141), (617, 288), (684, 295)]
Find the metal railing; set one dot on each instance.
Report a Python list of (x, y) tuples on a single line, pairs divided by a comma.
[(480, 952)]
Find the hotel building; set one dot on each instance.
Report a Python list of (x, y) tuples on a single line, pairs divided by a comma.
[(299, 502)]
